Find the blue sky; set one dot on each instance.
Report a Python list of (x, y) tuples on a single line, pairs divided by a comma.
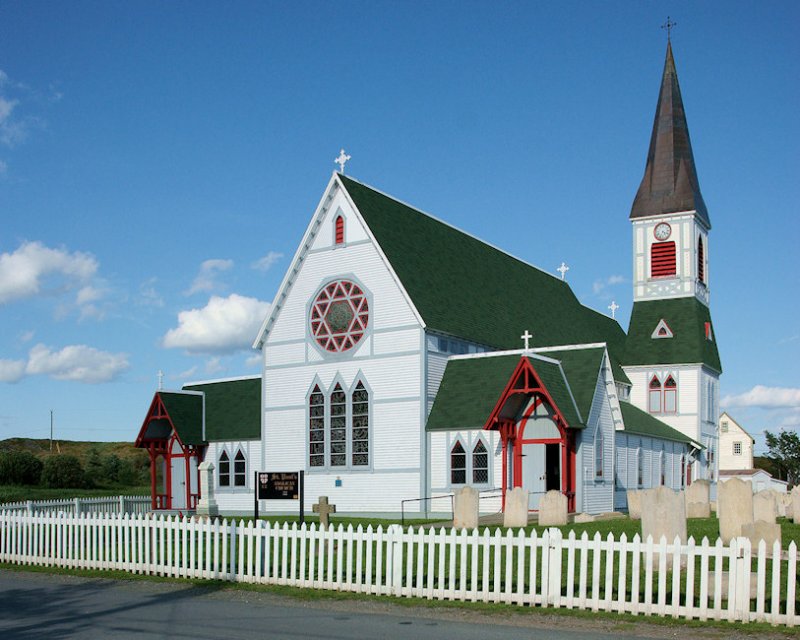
[(159, 163)]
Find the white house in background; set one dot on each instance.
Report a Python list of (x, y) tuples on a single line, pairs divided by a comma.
[(735, 445), (760, 479), (404, 358)]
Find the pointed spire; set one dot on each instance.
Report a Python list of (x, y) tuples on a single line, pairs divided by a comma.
[(670, 180)]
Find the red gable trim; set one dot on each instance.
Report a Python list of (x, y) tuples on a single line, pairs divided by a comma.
[(525, 373), (157, 411)]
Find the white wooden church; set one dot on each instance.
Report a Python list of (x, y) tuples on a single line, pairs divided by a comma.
[(404, 359)]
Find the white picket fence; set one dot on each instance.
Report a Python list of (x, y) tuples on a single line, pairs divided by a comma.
[(702, 581), (103, 504)]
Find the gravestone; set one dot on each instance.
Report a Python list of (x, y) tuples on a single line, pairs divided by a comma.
[(583, 518), (516, 513), (765, 508), (757, 531), (735, 504), (796, 504), (207, 504), (553, 509), (698, 503), (663, 514), (465, 509), (634, 504), (324, 509), (785, 505)]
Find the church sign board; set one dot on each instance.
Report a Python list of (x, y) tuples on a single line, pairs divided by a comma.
[(279, 485)]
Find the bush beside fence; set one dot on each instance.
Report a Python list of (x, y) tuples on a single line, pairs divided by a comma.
[(548, 570)]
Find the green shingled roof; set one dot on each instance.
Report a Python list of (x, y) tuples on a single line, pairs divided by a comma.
[(686, 318), (471, 388), (582, 368), (185, 410), (641, 423), (466, 288), (233, 409)]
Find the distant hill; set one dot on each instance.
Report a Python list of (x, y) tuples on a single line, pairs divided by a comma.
[(79, 449)]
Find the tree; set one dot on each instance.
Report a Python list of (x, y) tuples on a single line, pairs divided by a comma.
[(63, 472), (784, 451), (19, 467)]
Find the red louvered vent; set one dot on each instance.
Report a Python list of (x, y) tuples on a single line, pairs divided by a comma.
[(701, 261), (339, 230), (662, 259)]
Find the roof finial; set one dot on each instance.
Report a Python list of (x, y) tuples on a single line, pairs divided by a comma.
[(563, 270), (527, 338), (668, 25), (342, 160), (613, 307), (160, 379)]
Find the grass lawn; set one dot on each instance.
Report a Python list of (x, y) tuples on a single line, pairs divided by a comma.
[(16, 493)]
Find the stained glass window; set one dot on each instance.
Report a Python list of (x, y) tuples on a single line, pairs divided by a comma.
[(316, 428), (360, 430), (338, 427), (480, 464), (458, 464), (339, 316)]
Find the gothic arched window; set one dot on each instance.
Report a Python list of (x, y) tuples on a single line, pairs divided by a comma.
[(339, 230), (654, 395), (360, 430), (224, 472), (458, 464), (670, 395), (316, 428), (239, 470), (701, 261), (480, 463), (338, 427)]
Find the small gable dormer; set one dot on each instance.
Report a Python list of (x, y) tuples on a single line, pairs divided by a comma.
[(662, 330)]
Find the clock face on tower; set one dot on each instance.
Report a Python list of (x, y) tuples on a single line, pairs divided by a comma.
[(662, 231), (339, 316)]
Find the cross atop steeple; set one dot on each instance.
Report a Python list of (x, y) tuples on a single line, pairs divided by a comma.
[(668, 25), (613, 307), (563, 270)]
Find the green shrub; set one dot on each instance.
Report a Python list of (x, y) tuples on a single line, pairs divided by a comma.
[(19, 467), (63, 472)]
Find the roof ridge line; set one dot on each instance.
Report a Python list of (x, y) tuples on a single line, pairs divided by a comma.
[(454, 228), (219, 380)]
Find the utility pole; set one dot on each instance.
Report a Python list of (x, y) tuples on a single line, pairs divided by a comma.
[(51, 431)]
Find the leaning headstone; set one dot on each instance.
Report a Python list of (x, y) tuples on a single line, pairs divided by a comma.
[(796, 504), (634, 504), (207, 504), (516, 513), (698, 502), (765, 508), (663, 514), (735, 504), (785, 505), (583, 518), (465, 509), (553, 509), (760, 530)]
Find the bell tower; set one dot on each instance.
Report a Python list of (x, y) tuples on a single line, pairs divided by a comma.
[(671, 354), (669, 217)]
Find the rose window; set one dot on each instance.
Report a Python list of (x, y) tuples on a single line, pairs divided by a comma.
[(339, 316)]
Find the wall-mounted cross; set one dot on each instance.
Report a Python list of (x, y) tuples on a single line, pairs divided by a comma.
[(668, 25), (563, 270), (527, 338), (613, 306), (342, 160), (324, 510)]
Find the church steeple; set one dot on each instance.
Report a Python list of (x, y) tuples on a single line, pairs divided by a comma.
[(670, 182)]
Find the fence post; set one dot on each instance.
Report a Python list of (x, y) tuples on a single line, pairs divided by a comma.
[(554, 546), (394, 559), (29, 506), (77, 506), (122, 505), (742, 572)]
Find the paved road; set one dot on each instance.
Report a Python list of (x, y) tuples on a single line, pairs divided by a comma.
[(38, 606)]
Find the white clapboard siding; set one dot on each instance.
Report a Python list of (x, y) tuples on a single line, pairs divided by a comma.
[(538, 569)]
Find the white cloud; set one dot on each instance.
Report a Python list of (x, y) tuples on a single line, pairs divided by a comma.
[(264, 264), (224, 325), (213, 365), (3, 167), (78, 363), (148, 295), (600, 285), (764, 397), (253, 362), (12, 370), (27, 270), (206, 280), (26, 336)]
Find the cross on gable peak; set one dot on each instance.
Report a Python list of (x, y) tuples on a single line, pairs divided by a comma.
[(563, 270), (527, 337), (613, 307), (342, 160)]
